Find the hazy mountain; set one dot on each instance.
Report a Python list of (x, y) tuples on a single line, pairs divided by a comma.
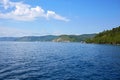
[(8, 38), (61, 38), (37, 38)]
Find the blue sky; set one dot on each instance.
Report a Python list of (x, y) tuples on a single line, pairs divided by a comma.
[(55, 17)]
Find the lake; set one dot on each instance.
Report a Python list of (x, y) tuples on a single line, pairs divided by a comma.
[(58, 61)]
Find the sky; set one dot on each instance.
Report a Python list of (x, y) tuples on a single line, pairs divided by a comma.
[(56, 17)]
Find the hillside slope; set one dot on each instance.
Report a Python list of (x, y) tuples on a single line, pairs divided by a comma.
[(107, 37), (73, 38)]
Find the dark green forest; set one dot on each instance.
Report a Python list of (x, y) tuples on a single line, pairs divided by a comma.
[(107, 37)]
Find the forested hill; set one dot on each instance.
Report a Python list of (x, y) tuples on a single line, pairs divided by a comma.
[(107, 37)]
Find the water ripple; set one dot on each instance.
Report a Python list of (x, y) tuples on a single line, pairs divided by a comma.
[(58, 61)]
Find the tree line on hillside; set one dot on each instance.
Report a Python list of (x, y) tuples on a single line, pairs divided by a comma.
[(107, 37)]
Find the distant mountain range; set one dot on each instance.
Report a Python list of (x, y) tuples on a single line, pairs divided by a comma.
[(52, 38), (29, 38), (106, 37)]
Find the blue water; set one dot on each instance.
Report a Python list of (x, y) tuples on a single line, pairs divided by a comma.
[(58, 61)]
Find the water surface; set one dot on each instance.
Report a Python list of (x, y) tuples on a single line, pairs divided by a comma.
[(58, 61)]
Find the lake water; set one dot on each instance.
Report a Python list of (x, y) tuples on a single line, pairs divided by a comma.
[(58, 61)]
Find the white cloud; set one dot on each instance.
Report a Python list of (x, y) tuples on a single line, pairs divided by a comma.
[(24, 12), (5, 3), (51, 14)]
